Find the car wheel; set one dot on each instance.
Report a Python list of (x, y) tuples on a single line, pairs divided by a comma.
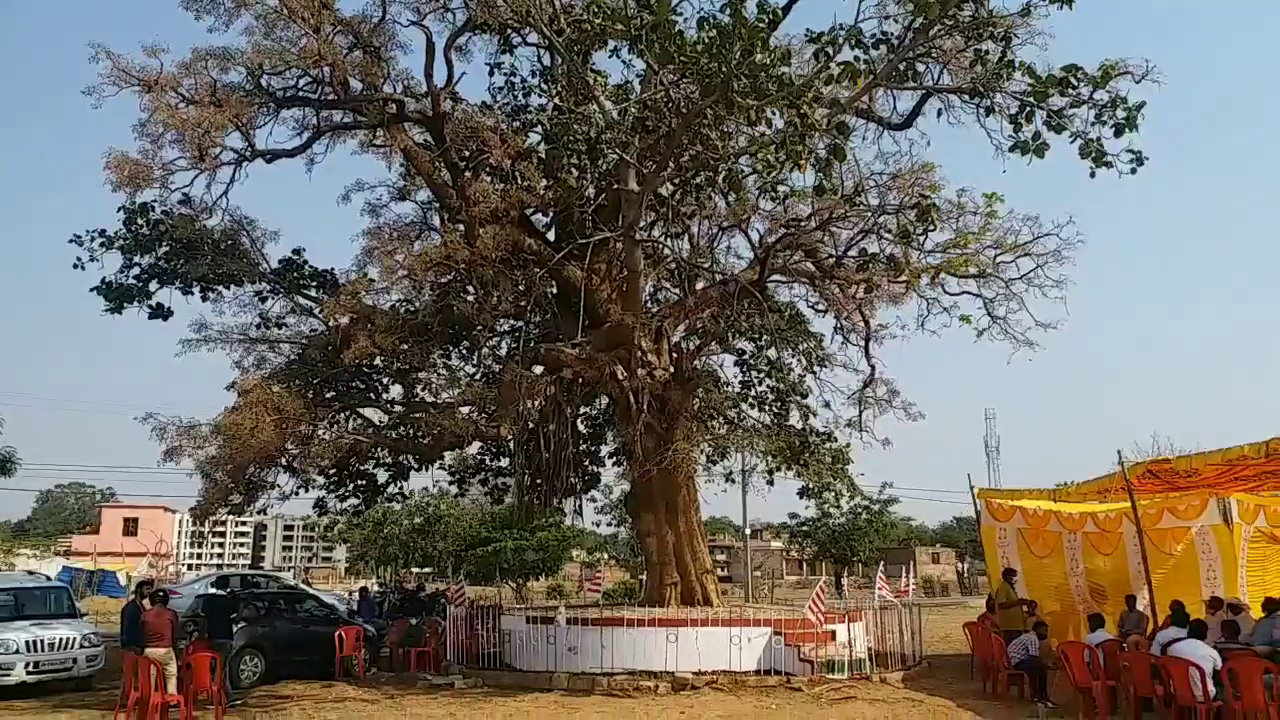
[(248, 669)]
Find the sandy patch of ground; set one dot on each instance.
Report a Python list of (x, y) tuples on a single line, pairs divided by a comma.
[(942, 691)]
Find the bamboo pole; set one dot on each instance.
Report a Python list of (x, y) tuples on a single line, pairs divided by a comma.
[(1142, 540), (977, 521)]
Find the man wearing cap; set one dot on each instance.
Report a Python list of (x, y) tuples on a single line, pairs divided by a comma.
[(1238, 610)]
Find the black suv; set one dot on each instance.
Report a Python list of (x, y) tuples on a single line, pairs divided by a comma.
[(280, 632)]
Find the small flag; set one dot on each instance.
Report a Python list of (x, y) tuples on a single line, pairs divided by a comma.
[(456, 593), (593, 588), (816, 608), (883, 588), (902, 583), (911, 581)]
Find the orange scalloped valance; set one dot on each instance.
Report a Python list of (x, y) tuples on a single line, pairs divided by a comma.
[(1000, 512), (1168, 540), (1109, 521), (1105, 543), (1040, 542)]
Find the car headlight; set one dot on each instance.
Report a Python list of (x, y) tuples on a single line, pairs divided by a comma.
[(8, 647), (90, 640)]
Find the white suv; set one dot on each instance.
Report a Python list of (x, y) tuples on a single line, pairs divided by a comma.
[(43, 636)]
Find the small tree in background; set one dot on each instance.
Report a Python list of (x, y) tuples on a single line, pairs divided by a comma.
[(64, 509), (1155, 446), (9, 460), (846, 526)]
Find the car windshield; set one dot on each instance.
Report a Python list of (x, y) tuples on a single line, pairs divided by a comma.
[(37, 603)]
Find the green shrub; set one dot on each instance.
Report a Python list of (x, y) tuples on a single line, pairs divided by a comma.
[(623, 592), (557, 591)]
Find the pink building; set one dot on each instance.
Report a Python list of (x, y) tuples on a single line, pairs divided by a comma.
[(127, 534)]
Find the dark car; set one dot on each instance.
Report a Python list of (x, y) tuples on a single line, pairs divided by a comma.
[(278, 633)]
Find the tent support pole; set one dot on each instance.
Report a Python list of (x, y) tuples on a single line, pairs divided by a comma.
[(1142, 539), (977, 522)]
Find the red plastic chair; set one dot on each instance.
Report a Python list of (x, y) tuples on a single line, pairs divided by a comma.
[(1004, 676), (1233, 653), (396, 634), (1083, 664), (428, 653), (1138, 680), (974, 634), (1177, 674), (349, 643), (1111, 650), (1245, 691), (150, 678), (130, 693), (202, 672)]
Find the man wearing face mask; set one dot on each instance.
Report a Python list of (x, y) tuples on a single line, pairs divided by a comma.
[(1009, 607)]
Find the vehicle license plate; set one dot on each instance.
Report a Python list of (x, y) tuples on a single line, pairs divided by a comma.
[(54, 664)]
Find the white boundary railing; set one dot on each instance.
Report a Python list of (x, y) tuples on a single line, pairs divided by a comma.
[(857, 638)]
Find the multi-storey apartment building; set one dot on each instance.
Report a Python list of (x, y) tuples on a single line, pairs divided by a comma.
[(297, 544), (277, 543), (225, 543)]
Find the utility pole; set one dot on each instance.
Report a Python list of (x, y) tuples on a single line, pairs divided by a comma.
[(746, 530)]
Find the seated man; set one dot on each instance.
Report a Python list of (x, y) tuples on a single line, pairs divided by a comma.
[(1132, 621), (1230, 631), (1024, 656), (1097, 629), (1237, 610), (1177, 629), (1194, 647)]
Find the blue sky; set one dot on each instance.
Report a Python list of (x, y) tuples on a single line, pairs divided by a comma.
[(1167, 329)]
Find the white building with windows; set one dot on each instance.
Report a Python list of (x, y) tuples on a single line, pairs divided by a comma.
[(225, 543), (278, 543)]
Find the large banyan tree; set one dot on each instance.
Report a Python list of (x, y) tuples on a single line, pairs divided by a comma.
[(631, 234)]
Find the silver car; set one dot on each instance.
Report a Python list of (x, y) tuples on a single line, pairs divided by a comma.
[(181, 595)]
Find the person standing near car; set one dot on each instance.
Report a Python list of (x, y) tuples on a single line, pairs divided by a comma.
[(219, 627), (160, 629), (131, 637)]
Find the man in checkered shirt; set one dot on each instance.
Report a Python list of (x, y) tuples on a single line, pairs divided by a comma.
[(1024, 655)]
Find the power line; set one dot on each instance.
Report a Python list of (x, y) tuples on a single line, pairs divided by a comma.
[(73, 478), (41, 467), (109, 403)]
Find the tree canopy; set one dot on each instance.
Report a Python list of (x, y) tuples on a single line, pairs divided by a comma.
[(64, 509), (645, 235), (10, 463), (721, 525), (846, 526), (458, 538)]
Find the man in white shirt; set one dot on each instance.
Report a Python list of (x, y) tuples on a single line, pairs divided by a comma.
[(1194, 648), (1178, 622), (1097, 629)]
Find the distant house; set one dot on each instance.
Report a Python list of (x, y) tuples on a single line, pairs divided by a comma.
[(771, 557), (939, 562), (129, 535)]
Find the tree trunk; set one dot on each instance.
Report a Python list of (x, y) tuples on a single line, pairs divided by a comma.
[(667, 516)]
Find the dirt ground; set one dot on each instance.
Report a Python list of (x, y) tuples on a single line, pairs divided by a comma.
[(943, 690)]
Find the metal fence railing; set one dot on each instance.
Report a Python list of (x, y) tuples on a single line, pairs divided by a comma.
[(856, 638)]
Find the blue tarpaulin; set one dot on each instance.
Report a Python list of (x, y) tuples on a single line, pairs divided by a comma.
[(84, 581)]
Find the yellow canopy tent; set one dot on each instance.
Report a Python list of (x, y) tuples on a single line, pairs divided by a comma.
[(1210, 524)]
